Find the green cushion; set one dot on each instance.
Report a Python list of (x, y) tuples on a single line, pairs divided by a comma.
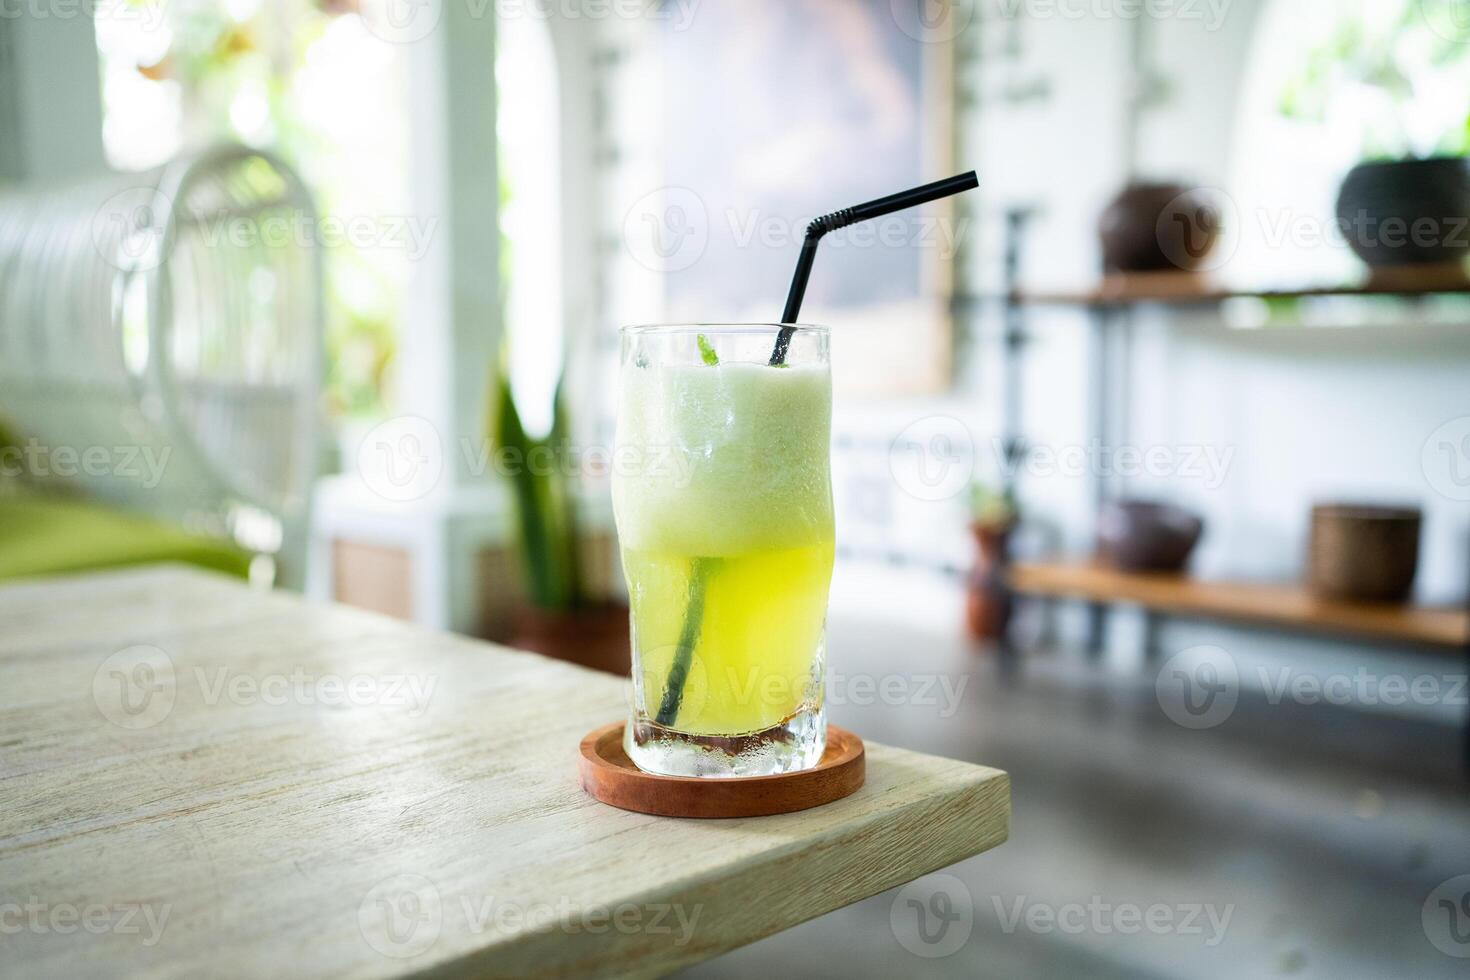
[(50, 536)]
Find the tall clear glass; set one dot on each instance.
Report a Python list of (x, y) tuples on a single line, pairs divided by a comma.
[(722, 491)]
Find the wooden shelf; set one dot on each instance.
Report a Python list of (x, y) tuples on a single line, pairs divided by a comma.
[(1285, 605), (1185, 287)]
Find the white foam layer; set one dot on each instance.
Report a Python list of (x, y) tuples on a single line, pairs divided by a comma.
[(724, 459)]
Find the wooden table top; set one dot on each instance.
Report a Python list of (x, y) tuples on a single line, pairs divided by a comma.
[(199, 778)]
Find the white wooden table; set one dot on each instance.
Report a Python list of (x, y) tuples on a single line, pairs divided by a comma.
[(201, 779)]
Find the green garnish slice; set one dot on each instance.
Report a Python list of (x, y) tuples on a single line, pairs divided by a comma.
[(668, 710)]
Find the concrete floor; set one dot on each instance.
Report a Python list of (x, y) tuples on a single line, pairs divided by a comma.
[(1320, 831)]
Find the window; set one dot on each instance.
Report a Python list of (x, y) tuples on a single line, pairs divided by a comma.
[(1331, 83), (527, 125), (308, 79)]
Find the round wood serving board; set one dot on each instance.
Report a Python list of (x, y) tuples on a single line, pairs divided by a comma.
[(610, 776)]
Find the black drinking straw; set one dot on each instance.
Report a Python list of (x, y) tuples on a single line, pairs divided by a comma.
[(668, 709), (910, 198)]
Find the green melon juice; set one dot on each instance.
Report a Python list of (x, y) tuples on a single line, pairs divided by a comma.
[(722, 494)]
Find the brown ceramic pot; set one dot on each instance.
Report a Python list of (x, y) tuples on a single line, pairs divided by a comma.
[(593, 636), (1363, 552), (1158, 227)]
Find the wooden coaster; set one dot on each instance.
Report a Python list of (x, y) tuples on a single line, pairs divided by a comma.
[(610, 776)]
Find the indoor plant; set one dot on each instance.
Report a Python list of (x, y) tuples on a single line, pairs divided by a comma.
[(559, 618), (993, 518)]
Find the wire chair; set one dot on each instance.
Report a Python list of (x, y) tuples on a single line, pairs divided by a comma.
[(172, 318)]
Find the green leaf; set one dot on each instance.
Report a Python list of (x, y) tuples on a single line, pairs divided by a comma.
[(535, 470), (707, 351), (566, 465)]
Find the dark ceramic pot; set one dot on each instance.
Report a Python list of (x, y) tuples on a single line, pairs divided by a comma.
[(1157, 227), (1144, 536), (1407, 212)]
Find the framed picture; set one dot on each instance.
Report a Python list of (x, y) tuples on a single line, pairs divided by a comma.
[(768, 113)]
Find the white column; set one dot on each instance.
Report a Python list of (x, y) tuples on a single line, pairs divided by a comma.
[(449, 327), (50, 96)]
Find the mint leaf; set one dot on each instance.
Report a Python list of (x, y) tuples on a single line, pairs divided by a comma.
[(706, 351)]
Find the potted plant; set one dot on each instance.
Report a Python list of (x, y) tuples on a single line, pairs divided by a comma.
[(559, 619), (1406, 202), (993, 518)]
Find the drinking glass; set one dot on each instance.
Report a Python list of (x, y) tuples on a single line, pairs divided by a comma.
[(722, 493)]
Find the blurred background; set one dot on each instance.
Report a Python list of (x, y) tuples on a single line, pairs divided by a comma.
[(1151, 456)]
